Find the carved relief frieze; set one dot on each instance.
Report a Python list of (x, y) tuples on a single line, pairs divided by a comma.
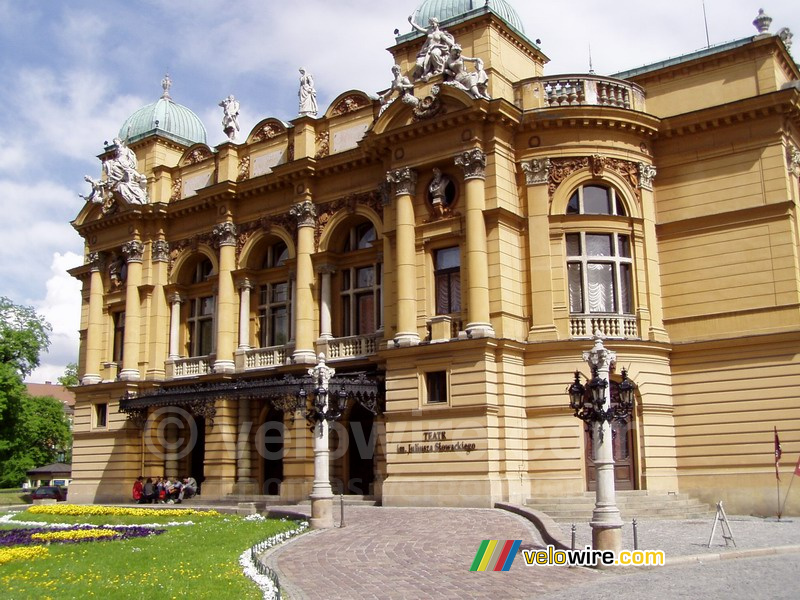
[(244, 169), (598, 164), (198, 155), (349, 104), (561, 168), (429, 107), (326, 211), (536, 170), (177, 189), (323, 144), (268, 131), (793, 160)]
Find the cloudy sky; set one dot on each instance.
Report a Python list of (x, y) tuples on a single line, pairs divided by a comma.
[(72, 71)]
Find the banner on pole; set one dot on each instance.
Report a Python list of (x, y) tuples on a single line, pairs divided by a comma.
[(778, 454)]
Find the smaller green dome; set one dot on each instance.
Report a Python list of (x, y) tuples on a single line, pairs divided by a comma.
[(166, 118)]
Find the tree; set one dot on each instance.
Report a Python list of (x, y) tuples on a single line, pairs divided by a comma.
[(70, 376), (24, 335)]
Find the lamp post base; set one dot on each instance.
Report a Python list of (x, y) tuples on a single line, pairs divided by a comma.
[(607, 537), (321, 513)]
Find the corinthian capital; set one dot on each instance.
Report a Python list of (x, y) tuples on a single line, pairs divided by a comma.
[(793, 160), (473, 162), (160, 251), (95, 259), (225, 234), (646, 175), (404, 181), (133, 251), (305, 212), (536, 170)]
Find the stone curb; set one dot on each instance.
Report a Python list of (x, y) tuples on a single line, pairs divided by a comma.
[(751, 553), (549, 530)]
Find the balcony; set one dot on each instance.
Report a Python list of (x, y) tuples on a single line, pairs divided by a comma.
[(265, 358), (610, 326), (190, 367), (590, 90), (354, 346)]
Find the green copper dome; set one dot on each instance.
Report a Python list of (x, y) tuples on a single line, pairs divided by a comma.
[(448, 9), (165, 118)]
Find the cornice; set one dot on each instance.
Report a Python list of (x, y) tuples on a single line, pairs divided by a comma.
[(779, 103), (724, 220), (591, 117)]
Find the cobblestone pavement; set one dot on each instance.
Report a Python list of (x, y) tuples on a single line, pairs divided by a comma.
[(413, 553)]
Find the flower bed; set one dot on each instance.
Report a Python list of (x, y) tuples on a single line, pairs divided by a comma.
[(72, 535), (28, 553), (83, 510)]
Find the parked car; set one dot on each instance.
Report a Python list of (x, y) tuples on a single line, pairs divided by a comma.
[(49, 491)]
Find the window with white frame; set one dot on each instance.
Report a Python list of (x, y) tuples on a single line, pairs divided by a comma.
[(599, 272)]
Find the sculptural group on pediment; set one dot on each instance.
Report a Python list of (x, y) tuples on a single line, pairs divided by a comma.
[(439, 55), (122, 181)]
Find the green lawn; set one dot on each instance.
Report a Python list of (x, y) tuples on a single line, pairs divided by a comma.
[(8, 497), (188, 561)]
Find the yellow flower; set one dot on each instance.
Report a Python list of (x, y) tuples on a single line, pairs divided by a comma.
[(79, 534), (22, 553), (82, 510)]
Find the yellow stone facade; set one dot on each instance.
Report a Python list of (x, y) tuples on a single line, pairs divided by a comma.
[(321, 235)]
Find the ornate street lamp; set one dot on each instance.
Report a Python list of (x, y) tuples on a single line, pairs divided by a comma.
[(592, 404)]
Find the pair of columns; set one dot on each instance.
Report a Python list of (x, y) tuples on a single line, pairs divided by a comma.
[(473, 163)]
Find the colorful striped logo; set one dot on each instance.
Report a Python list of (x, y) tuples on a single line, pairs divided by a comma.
[(495, 555)]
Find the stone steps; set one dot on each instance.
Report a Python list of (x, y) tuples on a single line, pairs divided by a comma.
[(633, 504), (349, 500)]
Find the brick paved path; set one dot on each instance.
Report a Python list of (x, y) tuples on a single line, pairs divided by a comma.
[(410, 553)]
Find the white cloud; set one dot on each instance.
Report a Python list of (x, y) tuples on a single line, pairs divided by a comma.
[(61, 307)]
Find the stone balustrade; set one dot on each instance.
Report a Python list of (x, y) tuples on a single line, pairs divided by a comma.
[(352, 346), (590, 90), (264, 358), (610, 326)]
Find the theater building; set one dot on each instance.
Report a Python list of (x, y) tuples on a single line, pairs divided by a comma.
[(454, 246)]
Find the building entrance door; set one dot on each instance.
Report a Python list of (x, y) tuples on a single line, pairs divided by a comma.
[(271, 452), (622, 443)]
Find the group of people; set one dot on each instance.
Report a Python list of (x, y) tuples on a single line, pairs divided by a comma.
[(160, 490)]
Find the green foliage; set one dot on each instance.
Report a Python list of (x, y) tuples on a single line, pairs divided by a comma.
[(23, 336), (70, 376), (32, 430)]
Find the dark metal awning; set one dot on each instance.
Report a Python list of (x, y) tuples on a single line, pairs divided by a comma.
[(199, 398)]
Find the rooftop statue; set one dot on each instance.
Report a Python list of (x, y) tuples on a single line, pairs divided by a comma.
[(433, 54), (123, 180), (230, 116), (404, 88), (307, 94), (456, 74)]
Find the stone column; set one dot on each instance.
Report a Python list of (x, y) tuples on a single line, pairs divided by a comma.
[(306, 214), (537, 173), (175, 300), (405, 183), (321, 492), (133, 252), (245, 287), (225, 235), (94, 329), (158, 345), (477, 268), (656, 331), (606, 520), (325, 331), (245, 484)]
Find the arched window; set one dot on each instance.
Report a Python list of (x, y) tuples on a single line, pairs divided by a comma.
[(359, 276), (274, 298), (201, 306), (599, 257)]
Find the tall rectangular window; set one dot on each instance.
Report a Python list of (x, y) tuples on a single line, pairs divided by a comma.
[(201, 326), (436, 387), (100, 415), (273, 314), (119, 337), (360, 297), (599, 273), (447, 280)]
